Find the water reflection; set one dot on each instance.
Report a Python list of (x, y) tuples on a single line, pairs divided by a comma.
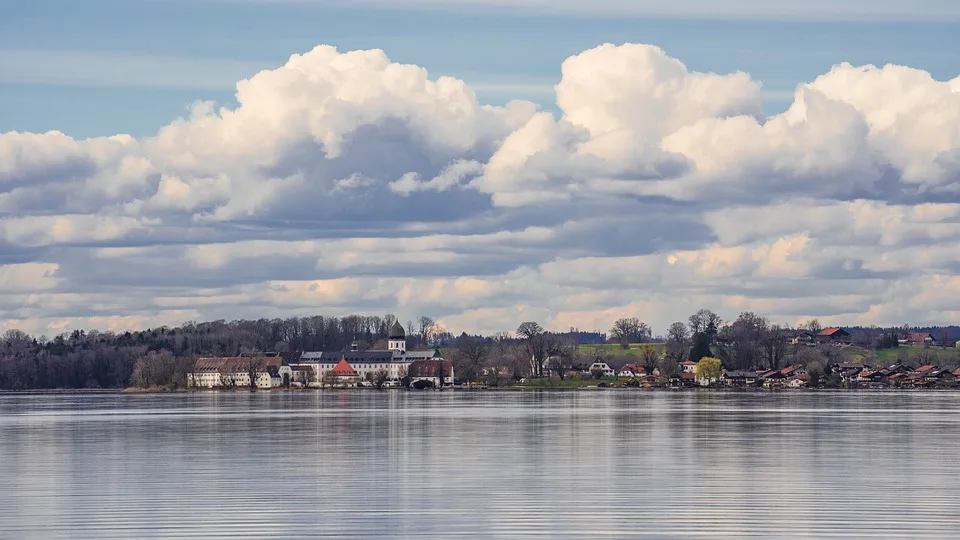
[(495, 465)]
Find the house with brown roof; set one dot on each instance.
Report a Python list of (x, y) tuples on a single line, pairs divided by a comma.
[(242, 371), (837, 335), (435, 373), (921, 339)]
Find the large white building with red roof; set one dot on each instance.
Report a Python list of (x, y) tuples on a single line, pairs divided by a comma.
[(395, 360)]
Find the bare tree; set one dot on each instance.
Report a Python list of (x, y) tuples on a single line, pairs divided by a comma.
[(740, 342), (704, 321), (561, 354), (472, 351), (426, 330), (650, 360), (535, 345), (773, 342), (813, 326), (403, 377), (380, 378), (678, 341), (628, 330), (253, 366), (228, 377)]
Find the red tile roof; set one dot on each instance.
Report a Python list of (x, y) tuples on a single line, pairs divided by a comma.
[(925, 368), (828, 331), (343, 369)]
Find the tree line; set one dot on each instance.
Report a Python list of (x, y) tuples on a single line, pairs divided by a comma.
[(161, 357)]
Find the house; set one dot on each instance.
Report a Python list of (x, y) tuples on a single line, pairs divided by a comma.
[(630, 370), (833, 335), (395, 360), (799, 381), (849, 371), (603, 367), (435, 372), (934, 377), (802, 337), (239, 372), (917, 339), (740, 379), (688, 367)]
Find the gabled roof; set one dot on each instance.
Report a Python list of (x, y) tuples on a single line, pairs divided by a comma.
[(343, 369), (236, 364), (827, 332), (918, 337), (925, 368), (430, 368)]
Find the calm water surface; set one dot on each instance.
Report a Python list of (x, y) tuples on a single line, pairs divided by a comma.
[(492, 465)]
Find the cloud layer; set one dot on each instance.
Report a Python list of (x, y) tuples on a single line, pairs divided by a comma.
[(345, 182)]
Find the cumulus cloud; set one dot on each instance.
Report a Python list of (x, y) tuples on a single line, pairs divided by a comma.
[(344, 181)]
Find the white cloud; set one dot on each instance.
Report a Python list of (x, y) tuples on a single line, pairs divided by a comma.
[(343, 181)]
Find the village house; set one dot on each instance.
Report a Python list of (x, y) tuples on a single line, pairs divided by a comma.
[(740, 378), (924, 339), (603, 367), (833, 335), (630, 370)]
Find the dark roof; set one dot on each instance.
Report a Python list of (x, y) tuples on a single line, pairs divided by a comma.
[(397, 332), (354, 357), (430, 368), (830, 332), (739, 374), (413, 356)]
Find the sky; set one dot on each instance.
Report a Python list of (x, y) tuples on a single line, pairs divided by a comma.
[(483, 162)]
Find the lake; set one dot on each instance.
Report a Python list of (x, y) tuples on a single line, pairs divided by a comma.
[(396, 464)]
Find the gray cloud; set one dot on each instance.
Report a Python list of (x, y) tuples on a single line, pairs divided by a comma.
[(343, 181)]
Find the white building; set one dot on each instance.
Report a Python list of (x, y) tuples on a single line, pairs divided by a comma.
[(395, 360), (235, 372), (604, 367)]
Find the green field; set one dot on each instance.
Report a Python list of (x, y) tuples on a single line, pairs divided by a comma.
[(944, 356), (615, 349)]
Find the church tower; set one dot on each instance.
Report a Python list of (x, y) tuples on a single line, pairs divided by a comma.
[(398, 338)]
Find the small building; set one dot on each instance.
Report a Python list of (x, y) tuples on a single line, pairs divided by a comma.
[(921, 339), (630, 370), (741, 378), (835, 335), (603, 367), (688, 367), (435, 372)]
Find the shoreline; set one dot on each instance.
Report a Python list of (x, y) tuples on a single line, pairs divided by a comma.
[(82, 391)]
